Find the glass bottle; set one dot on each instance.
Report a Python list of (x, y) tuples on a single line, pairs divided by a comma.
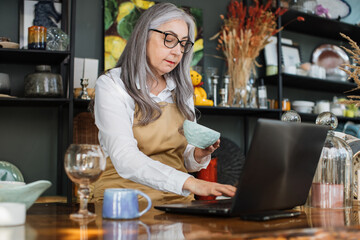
[(332, 184), (222, 93), (209, 72), (262, 95)]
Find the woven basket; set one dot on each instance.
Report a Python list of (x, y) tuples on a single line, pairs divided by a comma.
[(85, 130)]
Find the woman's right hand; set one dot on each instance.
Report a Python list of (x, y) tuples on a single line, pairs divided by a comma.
[(204, 188)]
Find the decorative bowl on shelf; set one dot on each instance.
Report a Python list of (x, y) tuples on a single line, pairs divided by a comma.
[(26, 193), (199, 135), (303, 106)]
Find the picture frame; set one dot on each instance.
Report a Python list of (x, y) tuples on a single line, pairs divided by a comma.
[(270, 50), (290, 55), (52, 17)]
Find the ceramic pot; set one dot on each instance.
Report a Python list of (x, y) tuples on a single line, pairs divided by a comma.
[(43, 83), (4, 83)]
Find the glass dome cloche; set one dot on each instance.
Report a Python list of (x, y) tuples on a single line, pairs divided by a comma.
[(332, 184)]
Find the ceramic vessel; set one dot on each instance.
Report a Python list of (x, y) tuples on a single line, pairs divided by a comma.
[(26, 194), (12, 214), (43, 83), (199, 135), (4, 83), (120, 203)]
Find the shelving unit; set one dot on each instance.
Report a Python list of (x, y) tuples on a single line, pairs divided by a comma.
[(320, 27), (309, 83), (63, 61), (26, 56)]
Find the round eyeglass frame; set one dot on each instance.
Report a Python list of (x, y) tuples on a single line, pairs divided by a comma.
[(183, 49)]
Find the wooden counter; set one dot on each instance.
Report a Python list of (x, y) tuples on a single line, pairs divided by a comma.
[(51, 221)]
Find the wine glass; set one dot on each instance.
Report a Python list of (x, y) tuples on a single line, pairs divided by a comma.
[(84, 164)]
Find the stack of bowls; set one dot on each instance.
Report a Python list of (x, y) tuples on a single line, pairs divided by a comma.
[(303, 106)]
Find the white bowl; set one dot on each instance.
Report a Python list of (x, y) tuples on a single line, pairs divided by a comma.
[(303, 103), (302, 109), (12, 214), (303, 106)]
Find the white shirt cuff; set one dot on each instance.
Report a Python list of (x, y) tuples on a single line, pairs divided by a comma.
[(204, 162)]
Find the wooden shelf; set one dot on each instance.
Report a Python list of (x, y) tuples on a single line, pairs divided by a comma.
[(309, 83), (34, 102), (319, 26), (27, 56)]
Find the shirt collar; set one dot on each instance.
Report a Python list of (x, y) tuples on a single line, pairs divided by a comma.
[(170, 82)]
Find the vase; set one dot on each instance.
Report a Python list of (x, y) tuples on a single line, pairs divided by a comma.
[(43, 83), (239, 97), (239, 72)]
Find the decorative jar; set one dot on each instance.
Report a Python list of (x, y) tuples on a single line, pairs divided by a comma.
[(332, 184), (43, 83), (37, 37)]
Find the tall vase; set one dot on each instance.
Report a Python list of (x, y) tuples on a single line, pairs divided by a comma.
[(239, 72)]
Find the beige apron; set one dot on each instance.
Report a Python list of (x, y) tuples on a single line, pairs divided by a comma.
[(161, 141)]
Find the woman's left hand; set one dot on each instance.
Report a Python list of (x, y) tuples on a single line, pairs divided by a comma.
[(201, 153)]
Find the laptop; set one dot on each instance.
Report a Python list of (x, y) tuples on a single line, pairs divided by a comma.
[(277, 174)]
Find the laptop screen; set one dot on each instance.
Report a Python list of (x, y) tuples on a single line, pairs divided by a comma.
[(279, 166)]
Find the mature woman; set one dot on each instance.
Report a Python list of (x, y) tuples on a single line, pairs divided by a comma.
[(140, 106)]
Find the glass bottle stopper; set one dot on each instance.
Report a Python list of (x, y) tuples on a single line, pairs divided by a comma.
[(327, 119), (290, 116)]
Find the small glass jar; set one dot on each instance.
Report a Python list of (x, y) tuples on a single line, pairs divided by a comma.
[(332, 185), (37, 37)]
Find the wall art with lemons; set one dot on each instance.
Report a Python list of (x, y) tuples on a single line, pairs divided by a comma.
[(120, 17)]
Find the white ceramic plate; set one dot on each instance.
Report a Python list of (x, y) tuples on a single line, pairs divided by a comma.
[(337, 8)]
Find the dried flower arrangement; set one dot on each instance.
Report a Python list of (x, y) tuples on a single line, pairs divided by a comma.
[(353, 71), (246, 31)]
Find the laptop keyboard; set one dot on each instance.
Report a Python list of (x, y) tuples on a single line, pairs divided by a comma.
[(213, 204)]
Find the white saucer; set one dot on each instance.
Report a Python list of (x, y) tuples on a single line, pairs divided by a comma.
[(9, 45)]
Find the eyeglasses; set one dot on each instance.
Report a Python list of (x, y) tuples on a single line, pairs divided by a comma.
[(170, 41)]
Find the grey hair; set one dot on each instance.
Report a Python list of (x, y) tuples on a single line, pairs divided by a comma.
[(136, 70)]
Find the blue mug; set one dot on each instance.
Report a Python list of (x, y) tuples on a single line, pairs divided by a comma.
[(120, 203)]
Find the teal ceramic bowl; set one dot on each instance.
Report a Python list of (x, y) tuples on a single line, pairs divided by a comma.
[(26, 193), (199, 135)]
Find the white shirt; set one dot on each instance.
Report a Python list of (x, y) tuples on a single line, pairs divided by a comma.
[(114, 116)]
